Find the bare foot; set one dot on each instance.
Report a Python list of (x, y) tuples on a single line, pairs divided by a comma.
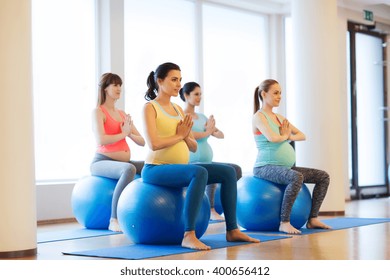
[(236, 235), (114, 225), (191, 241), (214, 216), (316, 223), (288, 228)]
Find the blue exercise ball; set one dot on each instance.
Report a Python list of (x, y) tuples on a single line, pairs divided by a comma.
[(259, 205), (91, 201), (150, 214)]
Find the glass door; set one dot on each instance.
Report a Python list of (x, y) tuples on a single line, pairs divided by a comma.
[(368, 131)]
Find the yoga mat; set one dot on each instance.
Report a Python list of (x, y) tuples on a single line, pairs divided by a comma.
[(343, 223), (216, 221), (53, 236), (139, 251), (57, 235), (336, 224)]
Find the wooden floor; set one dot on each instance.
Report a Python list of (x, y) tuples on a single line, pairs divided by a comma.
[(360, 243)]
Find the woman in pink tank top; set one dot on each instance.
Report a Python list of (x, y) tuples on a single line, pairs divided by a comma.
[(111, 127)]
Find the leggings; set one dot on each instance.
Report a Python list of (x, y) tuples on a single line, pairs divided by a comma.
[(196, 177), (294, 177), (211, 189), (124, 172)]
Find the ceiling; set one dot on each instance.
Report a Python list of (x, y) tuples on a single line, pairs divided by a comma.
[(380, 8)]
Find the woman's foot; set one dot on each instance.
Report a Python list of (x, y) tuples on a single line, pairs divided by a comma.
[(236, 235), (316, 223), (191, 241), (114, 225), (286, 227), (214, 216)]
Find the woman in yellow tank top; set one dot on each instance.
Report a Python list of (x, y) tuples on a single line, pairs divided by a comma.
[(169, 137)]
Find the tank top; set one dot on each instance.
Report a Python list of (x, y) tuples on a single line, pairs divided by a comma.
[(204, 153), (166, 126), (112, 127), (280, 153)]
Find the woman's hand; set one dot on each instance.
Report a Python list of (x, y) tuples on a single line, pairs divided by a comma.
[(210, 125), (285, 129), (184, 126), (127, 125)]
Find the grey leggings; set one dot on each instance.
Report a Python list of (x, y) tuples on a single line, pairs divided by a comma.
[(294, 178), (211, 189), (124, 172)]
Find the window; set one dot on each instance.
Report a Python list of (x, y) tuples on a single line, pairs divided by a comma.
[(155, 32), (64, 87), (234, 64)]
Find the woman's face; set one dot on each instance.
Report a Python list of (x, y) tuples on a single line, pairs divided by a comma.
[(114, 91), (194, 97), (273, 96), (171, 84)]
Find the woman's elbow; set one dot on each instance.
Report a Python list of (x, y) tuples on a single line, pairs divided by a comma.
[(141, 142), (153, 146), (100, 141)]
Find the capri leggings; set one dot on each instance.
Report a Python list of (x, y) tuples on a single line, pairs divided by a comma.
[(124, 172), (196, 177), (294, 177), (211, 189)]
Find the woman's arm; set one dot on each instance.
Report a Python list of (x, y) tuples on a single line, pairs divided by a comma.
[(218, 134), (154, 141), (210, 129), (191, 143), (136, 136), (101, 137), (134, 133), (259, 122), (188, 123), (296, 134)]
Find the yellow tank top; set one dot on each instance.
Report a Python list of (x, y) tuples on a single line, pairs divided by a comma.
[(166, 127)]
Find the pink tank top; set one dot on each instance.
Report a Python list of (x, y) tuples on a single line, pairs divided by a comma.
[(112, 127)]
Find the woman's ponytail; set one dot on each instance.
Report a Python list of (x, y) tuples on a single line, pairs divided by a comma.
[(151, 92)]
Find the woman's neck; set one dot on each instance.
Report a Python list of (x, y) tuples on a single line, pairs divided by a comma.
[(109, 104), (267, 109), (189, 109), (163, 99)]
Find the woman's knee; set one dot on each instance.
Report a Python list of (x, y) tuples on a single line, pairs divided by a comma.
[(128, 171), (200, 173), (238, 170), (297, 177), (325, 178)]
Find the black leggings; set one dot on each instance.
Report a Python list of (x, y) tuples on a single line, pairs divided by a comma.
[(212, 189), (294, 178)]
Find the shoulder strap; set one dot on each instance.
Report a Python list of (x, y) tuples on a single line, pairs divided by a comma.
[(265, 115), (177, 110)]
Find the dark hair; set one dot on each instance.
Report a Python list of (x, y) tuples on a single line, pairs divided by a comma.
[(264, 86), (106, 80), (187, 89), (160, 73)]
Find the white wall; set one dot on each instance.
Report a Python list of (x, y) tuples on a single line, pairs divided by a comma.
[(54, 201)]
